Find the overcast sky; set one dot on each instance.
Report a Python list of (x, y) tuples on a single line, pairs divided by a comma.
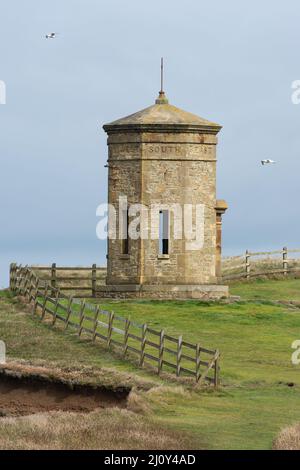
[(228, 61)]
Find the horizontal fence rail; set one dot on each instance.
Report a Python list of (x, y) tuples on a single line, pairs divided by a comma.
[(79, 280), (151, 347), (264, 263), (83, 281)]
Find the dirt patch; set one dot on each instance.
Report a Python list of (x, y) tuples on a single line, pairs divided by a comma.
[(21, 396)]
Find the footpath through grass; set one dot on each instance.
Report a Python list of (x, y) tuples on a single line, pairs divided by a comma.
[(261, 388)]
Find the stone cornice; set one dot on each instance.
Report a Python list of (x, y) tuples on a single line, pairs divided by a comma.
[(162, 128)]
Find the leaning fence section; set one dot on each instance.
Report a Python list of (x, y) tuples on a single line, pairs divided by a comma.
[(161, 351), (265, 263)]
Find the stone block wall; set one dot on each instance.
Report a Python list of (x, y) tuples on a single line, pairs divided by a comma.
[(163, 168)]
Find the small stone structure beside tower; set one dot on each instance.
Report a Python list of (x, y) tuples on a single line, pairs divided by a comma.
[(164, 157)]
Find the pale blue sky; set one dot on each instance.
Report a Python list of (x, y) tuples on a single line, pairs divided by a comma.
[(232, 62)]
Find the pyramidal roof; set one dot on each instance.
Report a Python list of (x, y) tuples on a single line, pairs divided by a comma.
[(162, 116)]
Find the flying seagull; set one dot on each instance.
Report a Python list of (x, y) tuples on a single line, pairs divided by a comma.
[(50, 35), (266, 162)]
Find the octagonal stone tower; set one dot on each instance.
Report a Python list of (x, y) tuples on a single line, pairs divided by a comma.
[(163, 157)]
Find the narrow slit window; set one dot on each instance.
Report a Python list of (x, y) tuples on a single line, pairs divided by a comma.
[(124, 235), (163, 232)]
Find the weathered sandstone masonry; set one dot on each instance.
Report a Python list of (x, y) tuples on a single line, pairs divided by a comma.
[(167, 157)]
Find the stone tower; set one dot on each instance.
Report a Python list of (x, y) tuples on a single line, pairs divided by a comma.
[(164, 157)]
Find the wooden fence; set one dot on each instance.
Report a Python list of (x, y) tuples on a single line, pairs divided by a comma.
[(265, 263), (150, 346), (80, 280), (83, 281)]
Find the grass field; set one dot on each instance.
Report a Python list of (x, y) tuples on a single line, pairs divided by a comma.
[(261, 289), (260, 391)]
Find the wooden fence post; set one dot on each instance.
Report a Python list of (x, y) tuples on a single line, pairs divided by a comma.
[(31, 287), (94, 279), (37, 283), (22, 281), (26, 281), (81, 317), (143, 344), (24, 285), (212, 365), (17, 280), (11, 276), (27, 290), (28, 287), (110, 324), (15, 274), (29, 283), (126, 336), (53, 275), (45, 300), (96, 322), (179, 354), (11, 267), (55, 307), (198, 350), (69, 311), (216, 370), (285, 261), (161, 351), (248, 267)]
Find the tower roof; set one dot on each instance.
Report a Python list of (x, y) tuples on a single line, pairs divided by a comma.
[(162, 117)]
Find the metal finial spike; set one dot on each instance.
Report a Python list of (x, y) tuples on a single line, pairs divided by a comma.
[(162, 75), (162, 99)]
